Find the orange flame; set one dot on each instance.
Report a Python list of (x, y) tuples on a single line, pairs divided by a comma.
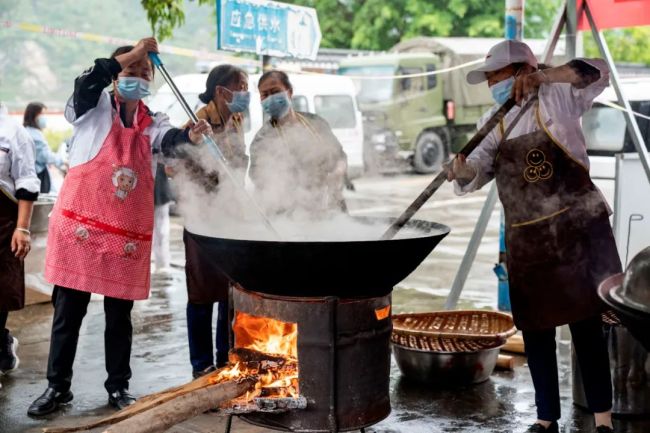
[(272, 337), (266, 335)]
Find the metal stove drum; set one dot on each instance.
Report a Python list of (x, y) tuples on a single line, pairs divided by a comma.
[(338, 294), (628, 294)]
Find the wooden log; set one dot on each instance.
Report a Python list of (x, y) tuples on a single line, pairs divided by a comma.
[(515, 344), (505, 362), (189, 405), (143, 404)]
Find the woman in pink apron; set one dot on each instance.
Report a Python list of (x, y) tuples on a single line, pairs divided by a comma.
[(559, 241), (99, 238)]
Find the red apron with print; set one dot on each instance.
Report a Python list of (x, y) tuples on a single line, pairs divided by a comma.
[(99, 237)]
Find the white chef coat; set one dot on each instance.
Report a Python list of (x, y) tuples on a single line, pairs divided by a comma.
[(17, 160), (92, 128), (560, 109)]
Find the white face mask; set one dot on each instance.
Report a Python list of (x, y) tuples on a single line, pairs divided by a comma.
[(41, 122)]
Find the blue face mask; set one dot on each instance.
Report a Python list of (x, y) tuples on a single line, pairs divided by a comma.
[(133, 88), (502, 90), (277, 105), (240, 101), (41, 122)]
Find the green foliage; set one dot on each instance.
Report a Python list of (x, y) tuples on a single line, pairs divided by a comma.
[(630, 45), (56, 138), (166, 15), (43, 67), (380, 24)]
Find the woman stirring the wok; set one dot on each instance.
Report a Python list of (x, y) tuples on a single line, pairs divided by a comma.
[(560, 244), (99, 237)]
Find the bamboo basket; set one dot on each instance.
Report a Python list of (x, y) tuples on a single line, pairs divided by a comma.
[(452, 331)]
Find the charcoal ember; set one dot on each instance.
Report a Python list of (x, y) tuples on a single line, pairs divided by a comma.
[(274, 391), (280, 404), (261, 361)]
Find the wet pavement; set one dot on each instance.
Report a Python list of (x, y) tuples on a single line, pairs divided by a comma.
[(160, 356)]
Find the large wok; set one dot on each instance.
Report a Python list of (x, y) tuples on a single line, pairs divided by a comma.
[(299, 268)]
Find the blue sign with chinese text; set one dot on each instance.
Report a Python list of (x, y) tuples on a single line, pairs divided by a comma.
[(268, 28)]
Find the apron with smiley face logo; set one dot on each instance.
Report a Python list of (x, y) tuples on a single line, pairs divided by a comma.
[(99, 237), (559, 242)]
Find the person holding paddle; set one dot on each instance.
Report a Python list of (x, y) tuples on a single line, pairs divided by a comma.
[(559, 241), (100, 230)]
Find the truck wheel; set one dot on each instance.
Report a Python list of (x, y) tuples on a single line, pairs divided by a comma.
[(430, 153)]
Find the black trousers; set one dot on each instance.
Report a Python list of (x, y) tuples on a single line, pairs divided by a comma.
[(592, 356), (70, 307), (3, 322)]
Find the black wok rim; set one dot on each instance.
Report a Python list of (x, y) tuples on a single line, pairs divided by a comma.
[(441, 231)]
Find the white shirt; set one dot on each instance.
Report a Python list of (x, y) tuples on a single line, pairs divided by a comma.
[(91, 130), (561, 107), (17, 161)]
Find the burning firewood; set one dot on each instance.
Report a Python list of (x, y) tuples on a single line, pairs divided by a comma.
[(254, 381), (187, 406), (145, 404)]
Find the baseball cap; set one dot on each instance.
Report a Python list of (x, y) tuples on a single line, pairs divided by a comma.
[(501, 55)]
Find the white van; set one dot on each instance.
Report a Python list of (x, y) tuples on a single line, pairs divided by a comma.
[(330, 96), (605, 128)]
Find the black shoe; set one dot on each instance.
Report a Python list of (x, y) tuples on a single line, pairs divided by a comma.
[(538, 428), (604, 429), (49, 402), (120, 399), (8, 359), (208, 370)]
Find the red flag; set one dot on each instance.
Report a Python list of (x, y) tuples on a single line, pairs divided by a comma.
[(614, 13)]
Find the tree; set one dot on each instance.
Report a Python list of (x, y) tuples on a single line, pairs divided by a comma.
[(380, 24), (166, 15), (630, 45)]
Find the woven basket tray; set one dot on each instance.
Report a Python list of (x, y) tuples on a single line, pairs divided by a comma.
[(461, 324), (442, 345)]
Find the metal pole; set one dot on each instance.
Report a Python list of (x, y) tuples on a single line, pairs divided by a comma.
[(266, 63), (558, 25), (228, 424), (515, 19), (571, 30), (514, 30), (632, 126), (472, 248)]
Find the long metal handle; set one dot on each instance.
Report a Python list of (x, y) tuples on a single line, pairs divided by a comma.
[(210, 143), (442, 176)]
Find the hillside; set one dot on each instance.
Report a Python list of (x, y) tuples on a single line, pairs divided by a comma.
[(42, 67)]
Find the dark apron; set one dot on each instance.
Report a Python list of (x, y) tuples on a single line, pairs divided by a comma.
[(12, 271), (559, 242), (46, 183), (206, 282)]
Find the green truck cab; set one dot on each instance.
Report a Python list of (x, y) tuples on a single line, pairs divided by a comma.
[(421, 115), (427, 117)]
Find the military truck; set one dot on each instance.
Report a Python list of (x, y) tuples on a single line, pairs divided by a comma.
[(425, 118)]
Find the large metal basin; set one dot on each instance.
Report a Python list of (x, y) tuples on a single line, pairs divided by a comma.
[(446, 368), (35, 261)]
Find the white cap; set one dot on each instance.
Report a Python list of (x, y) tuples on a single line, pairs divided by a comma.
[(501, 55)]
